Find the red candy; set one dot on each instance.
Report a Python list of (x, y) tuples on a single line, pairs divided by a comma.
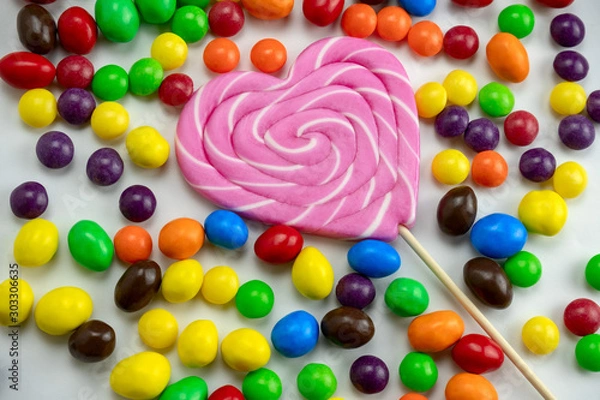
[(322, 12), (25, 70), (176, 89), (77, 30), (556, 3), (461, 42), (226, 392), (477, 354), (582, 317), (521, 128), (75, 72), (226, 18), (473, 3), (278, 244)]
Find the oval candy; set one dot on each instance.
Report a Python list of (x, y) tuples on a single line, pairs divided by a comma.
[(93, 341), (543, 211), (268, 9), (465, 386), (142, 376), (296, 334), (137, 286), (498, 235), (374, 258), (457, 211), (347, 327), (435, 331), (278, 244), (118, 20), (190, 388), (24, 70), (198, 344), (62, 310), (477, 354), (488, 282), (77, 30), (312, 274), (90, 245), (36, 29), (36, 243), (9, 314), (507, 57)]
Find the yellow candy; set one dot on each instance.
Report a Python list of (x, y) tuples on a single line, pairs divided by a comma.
[(198, 344), (450, 167), (62, 310), (431, 99), (570, 179), (109, 120), (142, 376), (540, 335), (147, 148), (158, 328), (169, 50), (245, 350), (37, 108), (16, 300), (182, 281), (568, 98), (36, 243), (461, 87), (220, 285), (312, 274), (543, 212)]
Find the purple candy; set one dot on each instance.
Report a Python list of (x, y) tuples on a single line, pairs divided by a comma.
[(452, 121), (54, 149), (482, 134), (29, 200), (369, 374), (576, 132), (567, 30), (537, 164), (355, 290), (593, 105), (137, 203), (104, 167), (571, 65), (76, 106)]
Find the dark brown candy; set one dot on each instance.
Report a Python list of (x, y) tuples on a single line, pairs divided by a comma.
[(138, 285), (457, 210), (92, 342), (347, 327), (36, 29), (488, 281)]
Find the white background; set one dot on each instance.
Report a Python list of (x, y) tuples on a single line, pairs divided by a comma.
[(47, 371)]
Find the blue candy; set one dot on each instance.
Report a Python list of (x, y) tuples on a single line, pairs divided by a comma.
[(226, 229), (498, 235), (374, 258), (296, 334), (418, 8)]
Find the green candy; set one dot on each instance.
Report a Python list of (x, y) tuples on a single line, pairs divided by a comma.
[(156, 11), (316, 382), (517, 19), (190, 23), (406, 297), (145, 76), (190, 388), (418, 371), (198, 3), (262, 384), (523, 269), (587, 352), (110, 83), (118, 20), (496, 99), (90, 245), (254, 299), (592, 272)]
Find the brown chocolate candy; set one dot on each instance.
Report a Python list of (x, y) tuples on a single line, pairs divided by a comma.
[(457, 210), (488, 282), (36, 29), (93, 341), (138, 285), (347, 327)]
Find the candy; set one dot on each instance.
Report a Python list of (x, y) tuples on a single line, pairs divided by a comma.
[(488, 282), (192, 388), (254, 299), (592, 272), (37, 108), (90, 245), (465, 386), (29, 200), (36, 243), (473, 3), (158, 328), (496, 100), (181, 238), (109, 120), (75, 71), (567, 29), (36, 29), (498, 235), (576, 132), (431, 98), (461, 42), (369, 374), (569, 180), (507, 57), (268, 55), (312, 274), (355, 290), (62, 310), (374, 258), (278, 244), (118, 20), (93, 341), (450, 167), (142, 376), (16, 301), (489, 169), (156, 12), (425, 38), (316, 382), (132, 244), (296, 334), (461, 87), (262, 384), (556, 3), (245, 350), (537, 164), (221, 55), (145, 76), (169, 50), (593, 105), (137, 203), (523, 269), (418, 8), (543, 212), (517, 19), (481, 135), (393, 23), (418, 371), (359, 20), (226, 229), (413, 396), (110, 82), (25, 70), (76, 106), (406, 297), (587, 352), (477, 354), (176, 89), (147, 148), (190, 23), (567, 98), (322, 13), (268, 9), (77, 30), (198, 344), (182, 281), (104, 167), (521, 128), (452, 121), (582, 317), (540, 335), (220, 285), (457, 210), (137, 286), (347, 327), (226, 18), (571, 65), (226, 392)]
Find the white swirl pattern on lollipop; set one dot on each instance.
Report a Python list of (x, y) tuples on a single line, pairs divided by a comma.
[(331, 150)]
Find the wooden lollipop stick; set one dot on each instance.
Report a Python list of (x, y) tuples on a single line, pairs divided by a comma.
[(475, 313)]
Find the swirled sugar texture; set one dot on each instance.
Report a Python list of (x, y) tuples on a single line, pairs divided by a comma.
[(332, 150)]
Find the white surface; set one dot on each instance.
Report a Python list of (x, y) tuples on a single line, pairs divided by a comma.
[(47, 371)]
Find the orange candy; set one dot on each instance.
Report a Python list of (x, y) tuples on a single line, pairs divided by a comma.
[(268, 55), (181, 238), (393, 23), (221, 55), (132, 243), (465, 386), (426, 38), (489, 169), (413, 396), (359, 20), (436, 331), (507, 57), (268, 9)]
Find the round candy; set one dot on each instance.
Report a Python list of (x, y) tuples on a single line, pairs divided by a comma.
[(137, 286), (268, 55), (521, 128), (220, 285), (110, 83), (556, 3), (109, 120), (322, 13), (15, 314), (221, 55), (571, 65), (90, 245), (132, 244), (104, 167), (435, 331), (245, 350), (36, 243), (587, 352), (452, 121), (488, 282), (359, 20), (296, 334), (316, 382), (62, 310), (76, 106), (156, 12), (489, 169), (145, 76), (176, 89), (567, 29), (517, 19), (540, 335), (278, 244), (477, 354), (182, 281), (592, 272), (582, 317), (406, 297), (450, 167), (254, 299), (268, 9), (77, 30), (369, 374), (147, 148), (75, 71), (569, 180), (181, 238), (37, 108), (413, 396), (347, 327), (465, 386), (374, 258), (142, 376), (543, 212), (431, 99), (118, 20), (29, 200), (226, 18), (226, 392), (461, 42), (355, 290), (393, 23), (593, 105), (576, 132), (523, 269), (93, 341), (461, 87), (496, 100), (137, 203), (169, 50), (226, 229), (425, 38), (498, 235), (198, 344), (418, 371), (568, 98), (262, 384), (190, 23), (537, 164), (482, 134), (418, 8), (312, 274), (192, 387), (158, 328)]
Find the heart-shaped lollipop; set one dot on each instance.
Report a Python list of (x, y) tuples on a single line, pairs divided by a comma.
[(331, 150)]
